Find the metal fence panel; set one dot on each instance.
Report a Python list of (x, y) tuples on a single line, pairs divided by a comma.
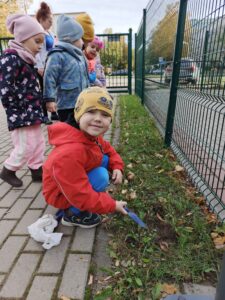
[(198, 133)]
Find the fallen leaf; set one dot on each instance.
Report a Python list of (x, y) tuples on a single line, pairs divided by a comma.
[(130, 166), (168, 289), (125, 182), (90, 281), (179, 168), (158, 155), (219, 242), (107, 278), (164, 246), (123, 192), (130, 175), (159, 217), (117, 263), (133, 195), (64, 298)]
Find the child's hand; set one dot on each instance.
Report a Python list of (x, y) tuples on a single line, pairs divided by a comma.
[(41, 72), (51, 106), (120, 207), (117, 176)]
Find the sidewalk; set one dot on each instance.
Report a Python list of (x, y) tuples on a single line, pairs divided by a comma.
[(27, 271)]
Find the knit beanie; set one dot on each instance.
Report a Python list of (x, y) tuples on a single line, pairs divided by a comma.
[(93, 98), (88, 26), (98, 42), (68, 30), (23, 27)]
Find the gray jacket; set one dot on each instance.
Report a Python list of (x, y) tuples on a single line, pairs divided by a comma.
[(66, 75)]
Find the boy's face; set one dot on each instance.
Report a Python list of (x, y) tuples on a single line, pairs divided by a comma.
[(78, 43), (34, 44), (95, 122), (92, 50)]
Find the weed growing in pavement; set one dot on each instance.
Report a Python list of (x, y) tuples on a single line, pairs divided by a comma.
[(177, 246)]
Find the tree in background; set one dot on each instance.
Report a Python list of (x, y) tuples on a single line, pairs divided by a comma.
[(114, 56), (10, 7), (162, 38)]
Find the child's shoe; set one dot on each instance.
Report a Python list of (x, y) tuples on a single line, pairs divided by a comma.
[(10, 177), (36, 174), (84, 219)]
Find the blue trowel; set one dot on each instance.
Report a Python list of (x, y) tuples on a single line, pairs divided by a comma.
[(135, 218)]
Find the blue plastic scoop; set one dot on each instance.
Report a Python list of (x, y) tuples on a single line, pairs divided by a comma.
[(135, 218)]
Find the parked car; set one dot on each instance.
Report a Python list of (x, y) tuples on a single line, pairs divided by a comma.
[(189, 71), (120, 72), (156, 71)]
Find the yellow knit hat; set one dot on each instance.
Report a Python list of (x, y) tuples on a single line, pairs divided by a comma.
[(93, 98), (88, 26)]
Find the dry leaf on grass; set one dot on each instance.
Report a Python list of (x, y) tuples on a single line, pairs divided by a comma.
[(168, 289), (130, 175), (159, 217), (64, 298), (90, 281), (179, 168), (219, 242), (158, 155), (133, 195), (164, 246), (130, 166)]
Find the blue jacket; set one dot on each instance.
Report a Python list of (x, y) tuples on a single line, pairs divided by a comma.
[(65, 76)]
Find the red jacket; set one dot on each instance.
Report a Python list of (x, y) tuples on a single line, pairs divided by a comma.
[(65, 180)]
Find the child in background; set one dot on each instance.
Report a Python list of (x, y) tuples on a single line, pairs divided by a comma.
[(88, 27), (66, 69), (75, 174), (21, 97), (44, 17), (95, 69)]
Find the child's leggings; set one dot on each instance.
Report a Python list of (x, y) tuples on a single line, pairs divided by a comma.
[(98, 178), (29, 147)]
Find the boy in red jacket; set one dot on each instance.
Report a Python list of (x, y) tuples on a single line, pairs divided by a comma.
[(75, 174)]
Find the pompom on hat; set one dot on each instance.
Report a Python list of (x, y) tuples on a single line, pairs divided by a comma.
[(98, 42), (93, 98), (68, 30), (88, 26), (23, 27)]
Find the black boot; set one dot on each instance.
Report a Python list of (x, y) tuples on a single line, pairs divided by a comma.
[(10, 177), (36, 174)]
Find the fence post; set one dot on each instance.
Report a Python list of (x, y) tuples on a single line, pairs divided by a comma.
[(220, 289), (204, 57), (135, 63), (130, 61), (176, 71), (143, 56)]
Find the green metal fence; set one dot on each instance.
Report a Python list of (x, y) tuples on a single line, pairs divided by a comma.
[(184, 86), (116, 57)]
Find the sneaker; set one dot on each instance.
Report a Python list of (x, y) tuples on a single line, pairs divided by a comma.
[(84, 219)]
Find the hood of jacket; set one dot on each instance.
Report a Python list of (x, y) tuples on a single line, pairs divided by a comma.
[(62, 133), (71, 49)]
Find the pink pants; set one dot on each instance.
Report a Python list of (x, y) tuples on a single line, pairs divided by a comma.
[(29, 147)]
